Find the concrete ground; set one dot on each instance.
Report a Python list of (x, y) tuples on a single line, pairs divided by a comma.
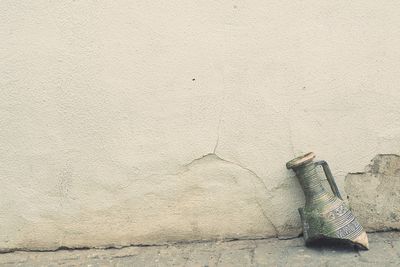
[(384, 251)]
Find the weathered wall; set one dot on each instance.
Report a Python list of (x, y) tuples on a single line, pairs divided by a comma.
[(105, 104)]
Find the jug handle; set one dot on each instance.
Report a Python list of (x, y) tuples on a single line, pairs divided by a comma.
[(329, 177)]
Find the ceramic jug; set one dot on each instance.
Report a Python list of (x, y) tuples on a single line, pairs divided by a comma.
[(325, 216)]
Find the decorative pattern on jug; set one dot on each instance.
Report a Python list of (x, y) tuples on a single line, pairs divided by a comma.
[(336, 213)]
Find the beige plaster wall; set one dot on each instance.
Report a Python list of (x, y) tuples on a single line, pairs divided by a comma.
[(142, 122)]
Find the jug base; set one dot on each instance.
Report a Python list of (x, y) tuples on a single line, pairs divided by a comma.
[(361, 242)]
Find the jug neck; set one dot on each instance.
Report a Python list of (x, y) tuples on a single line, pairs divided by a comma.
[(309, 180)]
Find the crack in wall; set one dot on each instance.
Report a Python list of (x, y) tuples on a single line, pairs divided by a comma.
[(187, 166), (217, 142), (244, 168), (167, 244), (164, 244)]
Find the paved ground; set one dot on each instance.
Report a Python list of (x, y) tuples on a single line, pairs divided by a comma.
[(384, 251)]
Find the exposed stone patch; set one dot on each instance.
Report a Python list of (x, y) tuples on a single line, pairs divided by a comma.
[(374, 195)]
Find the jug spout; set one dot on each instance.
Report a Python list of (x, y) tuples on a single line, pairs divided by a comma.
[(325, 217)]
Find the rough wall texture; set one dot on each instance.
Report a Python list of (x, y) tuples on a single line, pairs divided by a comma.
[(374, 195), (104, 103), (207, 199)]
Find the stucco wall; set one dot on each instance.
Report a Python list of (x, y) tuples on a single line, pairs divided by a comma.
[(108, 109)]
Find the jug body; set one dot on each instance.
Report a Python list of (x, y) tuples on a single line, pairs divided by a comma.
[(325, 216)]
